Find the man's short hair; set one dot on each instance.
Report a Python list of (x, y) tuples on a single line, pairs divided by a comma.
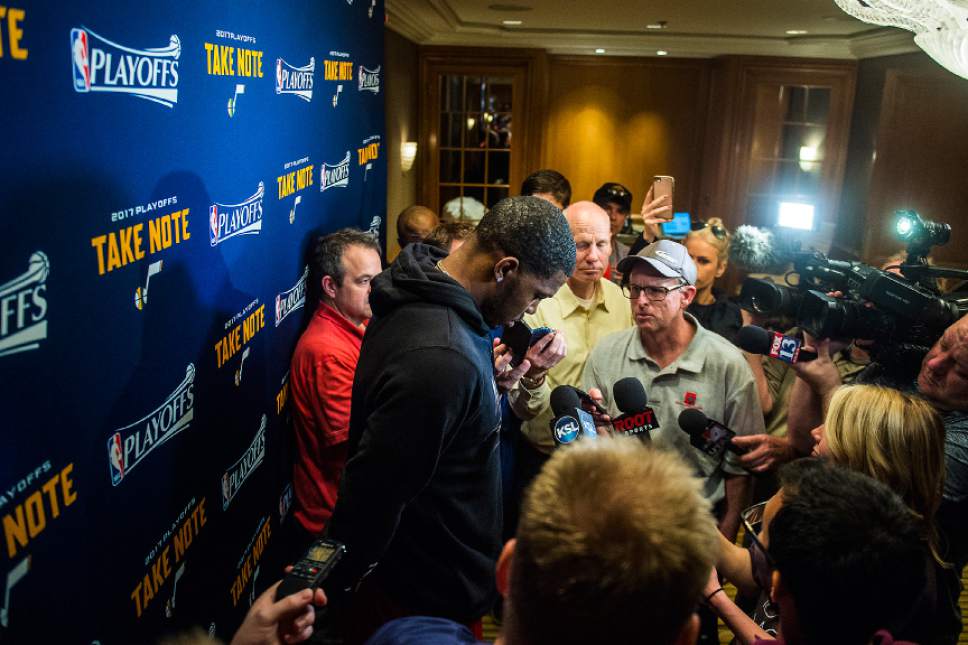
[(328, 253), (849, 551), (548, 181), (532, 230), (447, 232), (614, 545)]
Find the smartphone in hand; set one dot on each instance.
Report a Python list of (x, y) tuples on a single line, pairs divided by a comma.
[(664, 185)]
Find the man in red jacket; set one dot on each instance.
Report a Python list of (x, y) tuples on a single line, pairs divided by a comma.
[(322, 370)]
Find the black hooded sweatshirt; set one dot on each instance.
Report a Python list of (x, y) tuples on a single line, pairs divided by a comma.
[(421, 493)]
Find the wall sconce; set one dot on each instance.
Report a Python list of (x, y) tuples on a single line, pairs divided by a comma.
[(408, 152)]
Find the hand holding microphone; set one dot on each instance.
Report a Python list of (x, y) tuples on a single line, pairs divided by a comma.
[(708, 436), (788, 349)]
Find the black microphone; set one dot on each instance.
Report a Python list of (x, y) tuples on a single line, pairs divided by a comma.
[(710, 437), (637, 417), (757, 340), (570, 421)]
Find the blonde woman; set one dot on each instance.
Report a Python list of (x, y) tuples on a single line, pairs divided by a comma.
[(709, 249), (890, 436)]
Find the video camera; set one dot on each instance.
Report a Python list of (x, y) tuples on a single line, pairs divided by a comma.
[(897, 312)]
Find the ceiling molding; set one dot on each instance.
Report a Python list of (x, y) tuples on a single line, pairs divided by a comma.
[(438, 24), (883, 42)]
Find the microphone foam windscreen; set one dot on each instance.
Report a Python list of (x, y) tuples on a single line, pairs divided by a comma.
[(754, 340), (630, 395), (564, 400), (751, 248), (693, 421)]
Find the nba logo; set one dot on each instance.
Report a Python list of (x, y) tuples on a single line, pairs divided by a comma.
[(213, 224), (82, 60), (278, 76), (689, 398), (116, 459)]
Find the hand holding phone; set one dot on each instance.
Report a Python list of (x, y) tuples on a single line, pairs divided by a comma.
[(664, 187)]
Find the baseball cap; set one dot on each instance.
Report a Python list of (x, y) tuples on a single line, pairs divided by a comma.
[(669, 258), (615, 194)]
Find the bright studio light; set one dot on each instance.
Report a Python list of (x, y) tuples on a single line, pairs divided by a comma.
[(599, 51), (798, 215)]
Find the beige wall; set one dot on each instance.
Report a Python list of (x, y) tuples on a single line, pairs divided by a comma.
[(625, 120), (401, 112)]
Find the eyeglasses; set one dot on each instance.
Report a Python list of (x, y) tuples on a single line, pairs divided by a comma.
[(652, 294), (753, 523)]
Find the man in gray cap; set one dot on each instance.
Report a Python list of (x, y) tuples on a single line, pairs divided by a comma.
[(681, 365)]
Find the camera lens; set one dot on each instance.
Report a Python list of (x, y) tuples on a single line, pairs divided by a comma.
[(824, 316), (769, 299)]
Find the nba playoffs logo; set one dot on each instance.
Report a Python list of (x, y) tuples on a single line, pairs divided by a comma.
[(295, 80), (23, 307), (235, 476), (101, 65), (335, 175), (369, 79), (128, 446), (228, 220), (293, 299)]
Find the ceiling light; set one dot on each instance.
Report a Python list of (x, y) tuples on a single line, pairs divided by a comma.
[(511, 23), (662, 24), (796, 32), (662, 52), (599, 51), (796, 215)]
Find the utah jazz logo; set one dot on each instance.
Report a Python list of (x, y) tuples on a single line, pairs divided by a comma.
[(239, 89), (101, 65)]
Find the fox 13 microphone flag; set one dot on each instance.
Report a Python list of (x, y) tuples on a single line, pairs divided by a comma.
[(165, 168)]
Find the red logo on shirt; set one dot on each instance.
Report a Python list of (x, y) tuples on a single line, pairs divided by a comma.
[(689, 398)]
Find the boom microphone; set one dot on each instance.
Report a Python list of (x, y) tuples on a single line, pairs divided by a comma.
[(710, 437), (757, 340), (751, 249), (570, 421), (637, 417)]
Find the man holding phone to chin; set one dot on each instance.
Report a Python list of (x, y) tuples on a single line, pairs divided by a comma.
[(586, 308)]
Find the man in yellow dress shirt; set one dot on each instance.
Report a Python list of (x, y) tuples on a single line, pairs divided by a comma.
[(586, 308)]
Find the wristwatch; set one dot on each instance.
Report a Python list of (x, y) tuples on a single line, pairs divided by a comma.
[(533, 383)]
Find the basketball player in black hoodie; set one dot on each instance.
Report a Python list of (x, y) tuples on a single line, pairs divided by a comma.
[(420, 499)]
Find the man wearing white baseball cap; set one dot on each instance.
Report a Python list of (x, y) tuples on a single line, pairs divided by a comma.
[(681, 365)]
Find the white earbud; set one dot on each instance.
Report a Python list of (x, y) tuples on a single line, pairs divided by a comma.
[(498, 277)]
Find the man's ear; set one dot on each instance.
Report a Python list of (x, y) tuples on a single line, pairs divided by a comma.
[(329, 286), (503, 573), (504, 267), (689, 634), (688, 293)]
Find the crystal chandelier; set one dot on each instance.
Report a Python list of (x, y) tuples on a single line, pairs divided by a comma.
[(940, 26)]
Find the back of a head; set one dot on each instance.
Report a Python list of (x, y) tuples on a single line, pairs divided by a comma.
[(447, 233), (417, 221), (532, 230), (896, 438), (615, 543), (849, 553), (549, 182)]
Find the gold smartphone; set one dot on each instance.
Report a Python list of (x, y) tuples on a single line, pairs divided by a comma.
[(665, 185)]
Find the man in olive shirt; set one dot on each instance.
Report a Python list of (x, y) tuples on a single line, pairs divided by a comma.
[(681, 365), (585, 309)]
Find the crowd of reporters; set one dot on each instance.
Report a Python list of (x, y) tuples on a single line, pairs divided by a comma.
[(424, 441)]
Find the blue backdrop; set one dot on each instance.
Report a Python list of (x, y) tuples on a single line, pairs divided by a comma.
[(165, 167)]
